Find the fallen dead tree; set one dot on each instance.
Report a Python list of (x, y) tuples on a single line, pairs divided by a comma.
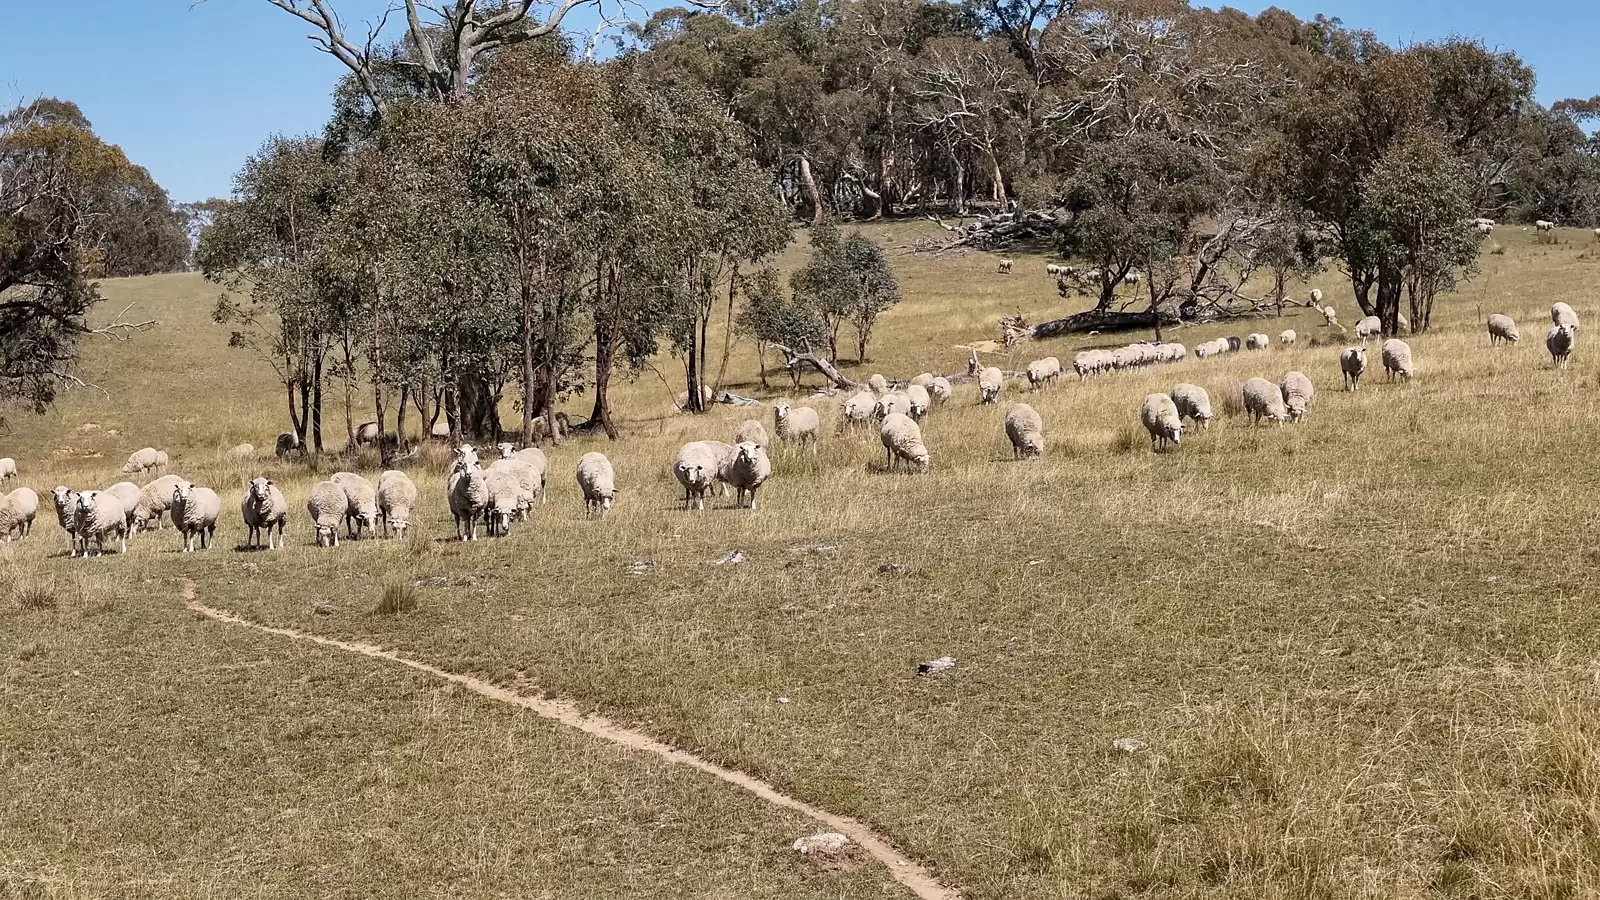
[(1015, 329), (992, 232), (794, 359)]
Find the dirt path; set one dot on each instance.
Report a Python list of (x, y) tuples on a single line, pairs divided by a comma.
[(911, 874)]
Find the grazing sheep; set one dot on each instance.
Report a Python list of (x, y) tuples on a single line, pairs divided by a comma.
[(698, 467), (1559, 341), (505, 498), (264, 509), (288, 442), (1562, 314), (1054, 269), (1502, 328), (1316, 298), (923, 380), (752, 432), (17, 511), (796, 424), (940, 389), (902, 440), (154, 500), (1484, 228), (364, 434), (746, 470), (536, 478), (1353, 363), (1369, 327), (530, 483), (919, 400), (1257, 341), (1287, 337), (99, 514), (1133, 278), (243, 451), (327, 507), (195, 511), (362, 510), (598, 481), (1397, 359), (991, 383), (1297, 392), (161, 459), (1005, 266), (1159, 415), (878, 384), (129, 494), (143, 461), (890, 403), (1330, 317), (1547, 231), (468, 492), (65, 500), (858, 409), (8, 468), (1043, 372), (1025, 429), (1193, 403), (1234, 344), (1263, 399), (397, 496)]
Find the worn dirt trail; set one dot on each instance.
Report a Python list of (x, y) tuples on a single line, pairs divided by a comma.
[(909, 873)]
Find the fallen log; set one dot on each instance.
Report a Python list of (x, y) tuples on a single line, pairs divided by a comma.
[(795, 358), (1015, 329)]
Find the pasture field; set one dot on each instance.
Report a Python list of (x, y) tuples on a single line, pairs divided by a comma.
[(1363, 653)]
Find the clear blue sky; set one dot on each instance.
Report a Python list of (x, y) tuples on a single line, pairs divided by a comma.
[(188, 92)]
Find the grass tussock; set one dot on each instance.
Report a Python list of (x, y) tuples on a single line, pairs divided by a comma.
[(397, 597)]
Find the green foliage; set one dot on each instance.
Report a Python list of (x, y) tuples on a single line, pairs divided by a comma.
[(772, 317), (847, 279)]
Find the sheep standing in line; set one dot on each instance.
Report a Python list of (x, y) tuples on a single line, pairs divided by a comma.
[(1044, 372), (17, 511), (1287, 337), (796, 424), (1297, 392), (505, 499), (698, 468), (1353, 363), (940, 389), (362, 509), (1054, 270), (143, 460), (1562, 314), (902, 440), (468, 490), (1263, 400), (598, 481), (65, 500), (1560, 342), (1502, 328), (991, 383), (288, 442), (1369, 327), (878, 384), (1257, 341), (919, 401), (1193, 403), (8, 468), (129, 495), (1025, 430), (1005, 266), (263, 510), (747, 469), (397, 496), (327, 506), (195, 511), (1159, 415), (751, 431), (154, 499), (858, 409), (1397, 359), (97, 515)]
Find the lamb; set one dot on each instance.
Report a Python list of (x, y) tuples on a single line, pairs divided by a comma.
[(1397, 359), (747, 469), (923, 380), (505, 498), (878, 384), (1287, 337), (264, 509), (243, 451), (919, 399), (1330, 317), (751, 431), (1369, 327), (129, 495), (17, 511), (327, 506), (154, 499), (8, 468), (1193, 403), (1353, 363), (902, 440), (1263, 399), (1257, 341), (288, 442), (143, 461), (1560, 342), (1160, 417), (940, 389), (1562, 314), (858, 409), (1502, 328), (698, 467), (99, 514), (468, 489), (598, 481), (991, 383), (1025, 429), (1044, 371), (65, 500), (365, 433), (797, 424), (397, 496), (890, 403), (194, 513), (1005, 266), (362, 508), (1297, 392)]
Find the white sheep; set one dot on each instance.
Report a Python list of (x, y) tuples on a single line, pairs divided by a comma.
[(506, 497), (902, 440), (1560, 341), (65, 500), (536, 461), (1502, 328), (243, 451), (1353, 363), (1369, 327), (858, 409), (161, 459), (796, 424), (263, 509), (1025, 430), (1193, 403), (1287, 337), (1562, 314), (698, 468), (919, 401), (468, 491), (97, 515), (1316, 298), (362, 508), (17, 511), (1159, 415), (747, 469), (365, 433), (154, 499), (1257, 341), (1297, 392), (129, 495), (891, 403), (143, 460), (397, 496), (530, 483), (1397, 359), (1054, 270), (598, 481), (288, 442), (1005, 266), (195, 511), (327, 505), (751, 431), (8, 468), (878, 384), (465, 455), (1264, 400), (991, 383), (923, 380), (940, 389), (1042, 372), (440, 431), (1330, 317)]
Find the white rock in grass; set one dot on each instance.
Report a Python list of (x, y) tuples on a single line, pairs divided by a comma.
[(826, 843)]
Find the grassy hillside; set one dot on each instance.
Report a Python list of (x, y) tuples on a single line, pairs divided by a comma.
[(1362, 651)]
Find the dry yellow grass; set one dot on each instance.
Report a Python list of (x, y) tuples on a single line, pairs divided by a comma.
[(1362, 651)]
